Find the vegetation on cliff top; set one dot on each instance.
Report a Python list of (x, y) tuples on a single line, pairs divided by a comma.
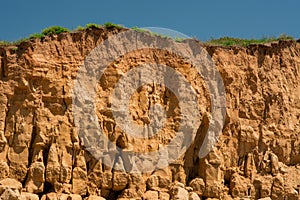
[(223, 41), (55, 30), (230, 41), (141, 30)]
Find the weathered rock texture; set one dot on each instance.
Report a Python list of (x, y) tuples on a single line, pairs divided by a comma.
[(41, 157)]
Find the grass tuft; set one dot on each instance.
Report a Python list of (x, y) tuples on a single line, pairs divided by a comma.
[(178, 39), (140, 30), (112, 25), (80, 28), (3, 42), (36, 35), (92, 25), (54, 30)]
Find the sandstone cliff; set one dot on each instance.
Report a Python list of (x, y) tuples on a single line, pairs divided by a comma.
[(41, 155)]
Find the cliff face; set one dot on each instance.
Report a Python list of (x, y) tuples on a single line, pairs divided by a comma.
[(257, 154)]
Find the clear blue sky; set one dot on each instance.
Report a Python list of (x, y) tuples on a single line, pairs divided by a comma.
[(195, 18)]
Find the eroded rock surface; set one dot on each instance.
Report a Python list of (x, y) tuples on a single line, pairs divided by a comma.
[(41, 156)]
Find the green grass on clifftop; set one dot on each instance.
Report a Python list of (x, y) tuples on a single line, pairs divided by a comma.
[(112, 25), (55, 30), (230, 41), (224, 41)]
